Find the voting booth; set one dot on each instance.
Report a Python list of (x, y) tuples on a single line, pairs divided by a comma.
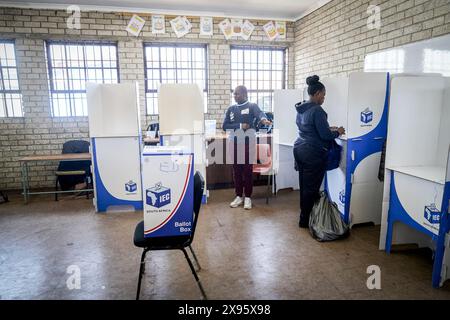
[(168, 187), (182, 123), (359, 103), (114, 130), (285, 128), (417, 184)]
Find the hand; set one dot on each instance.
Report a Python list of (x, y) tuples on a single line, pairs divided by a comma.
[(266, 122), (245, 126), (341, 131)]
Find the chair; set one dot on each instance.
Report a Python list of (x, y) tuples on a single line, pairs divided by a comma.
[(70, 173), (263, 166), (174, 242)]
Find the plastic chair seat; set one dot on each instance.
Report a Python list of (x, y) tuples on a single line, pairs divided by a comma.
[(162, 243)]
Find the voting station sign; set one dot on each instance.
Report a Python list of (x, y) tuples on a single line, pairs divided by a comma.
[(168, 188)]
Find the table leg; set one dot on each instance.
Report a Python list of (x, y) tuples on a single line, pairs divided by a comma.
[(24, 181)]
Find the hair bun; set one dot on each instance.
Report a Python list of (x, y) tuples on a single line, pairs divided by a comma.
[(312, 80)]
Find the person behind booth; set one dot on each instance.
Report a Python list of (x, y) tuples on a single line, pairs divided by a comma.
[(312, 146), (241, 116)]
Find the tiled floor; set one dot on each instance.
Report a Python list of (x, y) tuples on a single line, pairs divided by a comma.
[(257, 254)]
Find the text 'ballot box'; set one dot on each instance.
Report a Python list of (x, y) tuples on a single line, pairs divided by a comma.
[(168, 186)]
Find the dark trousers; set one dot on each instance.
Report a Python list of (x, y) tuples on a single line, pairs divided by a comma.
[(311, 163), (243, 173)]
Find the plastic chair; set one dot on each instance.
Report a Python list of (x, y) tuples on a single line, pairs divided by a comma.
[(70, 173), (175, 242), (264, 166)]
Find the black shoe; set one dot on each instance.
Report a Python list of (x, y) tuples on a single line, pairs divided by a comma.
[(303, 225)]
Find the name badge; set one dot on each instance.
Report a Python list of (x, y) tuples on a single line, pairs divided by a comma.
[(245, 111)]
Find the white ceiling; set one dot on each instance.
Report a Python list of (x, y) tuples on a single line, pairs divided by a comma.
[(289, 10)]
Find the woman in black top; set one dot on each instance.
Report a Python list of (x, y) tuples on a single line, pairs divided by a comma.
[(312, 145)]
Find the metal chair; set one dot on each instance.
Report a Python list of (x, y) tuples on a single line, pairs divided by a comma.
[(264, 166), (172, 243)]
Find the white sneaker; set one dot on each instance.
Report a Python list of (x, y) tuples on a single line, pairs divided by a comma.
[(236, 202), (247, 203)]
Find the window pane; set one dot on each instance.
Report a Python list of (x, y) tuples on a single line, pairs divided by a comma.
[(10, 97), (73, 65), (173, 64), (260, 70)]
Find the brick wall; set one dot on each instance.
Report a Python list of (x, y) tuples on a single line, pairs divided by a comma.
[(335, 39), (38, 132)]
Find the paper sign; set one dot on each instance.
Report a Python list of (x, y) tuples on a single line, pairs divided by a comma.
[(281, 29), (270, 30), (158, 24), (206, 26), (135, 25), (236, 24), (247, 30), (226, 28), (181, 26)]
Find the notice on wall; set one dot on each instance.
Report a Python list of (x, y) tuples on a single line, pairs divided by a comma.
[(206, 26), (158, 24), (247, 29), (281, 29), (226, 28), (181, 26), (270, 30), (135, 25), (236, 25)]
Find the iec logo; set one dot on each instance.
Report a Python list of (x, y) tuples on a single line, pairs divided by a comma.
[(366, 116), (130, 186), (158, 196), (342, 196), (432, 214)]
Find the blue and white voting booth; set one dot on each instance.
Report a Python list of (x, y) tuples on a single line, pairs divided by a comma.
[(359, 103), (168, 188), (417, 184), (114, 130), (182, 121)]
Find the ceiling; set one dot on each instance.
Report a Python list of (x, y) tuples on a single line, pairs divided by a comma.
[(289, 10)]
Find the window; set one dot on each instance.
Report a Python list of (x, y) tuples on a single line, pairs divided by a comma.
[(70, 66), (10, 96), (437, 61), (392, 61), (261, 70), (174, 63)]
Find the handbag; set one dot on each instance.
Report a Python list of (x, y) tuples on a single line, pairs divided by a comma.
[(334, 156)]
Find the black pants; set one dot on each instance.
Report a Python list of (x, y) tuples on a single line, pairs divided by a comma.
[(311, 163)]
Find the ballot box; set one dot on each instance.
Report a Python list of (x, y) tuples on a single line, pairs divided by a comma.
[(168, 189)]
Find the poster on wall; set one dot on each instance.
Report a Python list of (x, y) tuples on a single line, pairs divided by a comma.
[(247, 29), (270, 30), (206, 26), (226, 28), (135, 25), (158, 24), (281, 29), (236, 25), (181, 26)]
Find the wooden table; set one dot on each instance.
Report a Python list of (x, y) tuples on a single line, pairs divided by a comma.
[(57, 157)]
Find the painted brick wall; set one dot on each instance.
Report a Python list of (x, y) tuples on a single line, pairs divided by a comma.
[(334, 39), (38, 133)]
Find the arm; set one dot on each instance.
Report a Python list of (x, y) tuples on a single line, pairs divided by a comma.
[(258, 114), (322, 126), (228, 124)]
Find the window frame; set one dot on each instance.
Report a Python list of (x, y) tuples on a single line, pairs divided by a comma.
[(173, 45), (284, 76), (66, 43), (4, 91)]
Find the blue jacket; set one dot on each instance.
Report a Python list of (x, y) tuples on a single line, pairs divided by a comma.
[(313, 127), (245, 113)]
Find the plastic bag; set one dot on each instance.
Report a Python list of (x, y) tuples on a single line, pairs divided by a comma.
[(325, 222)]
